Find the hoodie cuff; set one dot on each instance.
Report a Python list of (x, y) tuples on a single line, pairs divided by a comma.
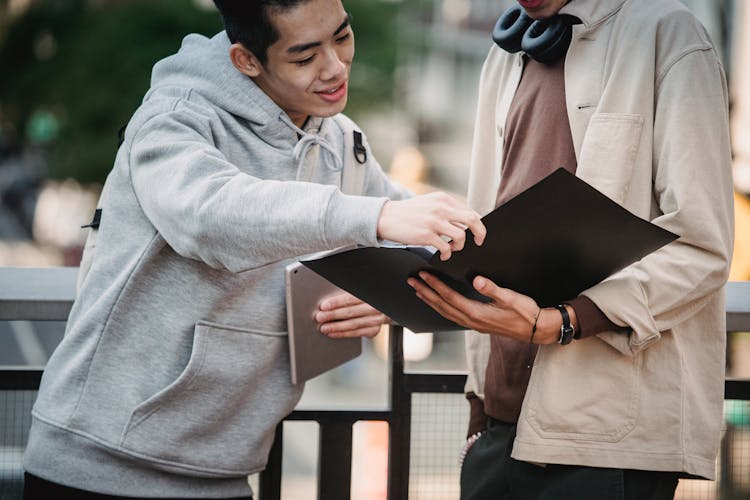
[(353, 219)]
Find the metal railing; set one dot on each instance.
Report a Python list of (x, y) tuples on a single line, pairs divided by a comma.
[(47, 295)]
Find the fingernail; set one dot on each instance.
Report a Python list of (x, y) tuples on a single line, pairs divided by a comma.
[(481, 282), (325, 329), (410, 282), (325, 305)]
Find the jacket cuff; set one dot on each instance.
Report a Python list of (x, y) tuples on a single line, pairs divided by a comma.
[(591, 319), (477, 417), (623, 300)]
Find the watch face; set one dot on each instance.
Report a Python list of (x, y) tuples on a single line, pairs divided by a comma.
[(566, 334), (566, 330)]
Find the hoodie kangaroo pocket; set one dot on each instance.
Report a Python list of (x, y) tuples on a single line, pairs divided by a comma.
[(217, 418)]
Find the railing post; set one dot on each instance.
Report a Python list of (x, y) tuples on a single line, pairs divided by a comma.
[(725, 463), (47, 295), (335, 463), (270, 478), (399, 431)]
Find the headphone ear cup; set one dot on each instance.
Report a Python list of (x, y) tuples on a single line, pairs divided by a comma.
[(510, 28), (547, 40)]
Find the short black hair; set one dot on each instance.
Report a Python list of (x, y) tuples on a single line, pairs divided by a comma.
[(247, 22)]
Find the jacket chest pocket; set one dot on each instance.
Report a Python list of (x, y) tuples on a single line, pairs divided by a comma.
[(609, 151)]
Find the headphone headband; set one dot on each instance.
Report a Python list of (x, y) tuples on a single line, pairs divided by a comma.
[(544, 40)]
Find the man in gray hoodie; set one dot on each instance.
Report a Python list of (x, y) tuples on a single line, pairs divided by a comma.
[(173, 372)]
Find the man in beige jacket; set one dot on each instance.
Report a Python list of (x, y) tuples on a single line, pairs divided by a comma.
[(636, 105)]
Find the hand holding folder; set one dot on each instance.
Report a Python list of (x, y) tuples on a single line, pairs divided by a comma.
[(551, 242)]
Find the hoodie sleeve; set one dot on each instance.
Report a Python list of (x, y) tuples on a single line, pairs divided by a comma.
[(207, 209)]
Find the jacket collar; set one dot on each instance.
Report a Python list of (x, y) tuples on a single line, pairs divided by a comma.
[(592, 12)]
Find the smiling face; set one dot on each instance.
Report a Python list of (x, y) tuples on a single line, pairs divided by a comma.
[(307, 69), (542, 9)]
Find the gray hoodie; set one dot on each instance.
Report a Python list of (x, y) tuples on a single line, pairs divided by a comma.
[(174, 368)]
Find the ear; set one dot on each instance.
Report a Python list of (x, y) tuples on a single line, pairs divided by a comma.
[(245, 61)]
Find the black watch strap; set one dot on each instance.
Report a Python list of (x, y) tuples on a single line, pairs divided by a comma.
[(566, 330)]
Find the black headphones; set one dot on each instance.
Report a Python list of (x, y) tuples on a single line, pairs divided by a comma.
[(544, 40)]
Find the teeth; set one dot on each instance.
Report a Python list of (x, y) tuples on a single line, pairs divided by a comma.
[(332, 91)]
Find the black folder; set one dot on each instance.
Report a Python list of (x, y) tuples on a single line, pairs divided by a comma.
[(550, 242)]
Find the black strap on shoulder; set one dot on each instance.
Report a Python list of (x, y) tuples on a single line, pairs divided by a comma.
[(121, 135), (360, 151), (94, 224)]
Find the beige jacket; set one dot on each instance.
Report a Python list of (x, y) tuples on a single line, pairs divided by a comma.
[(647, 104)]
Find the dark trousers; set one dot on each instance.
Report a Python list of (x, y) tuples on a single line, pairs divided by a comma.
[(36, 488), (489, 473)]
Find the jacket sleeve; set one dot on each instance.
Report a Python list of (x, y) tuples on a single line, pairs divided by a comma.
[(692, 185), (207, 209)]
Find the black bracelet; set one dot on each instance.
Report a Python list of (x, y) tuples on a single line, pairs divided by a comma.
[(531, 339)]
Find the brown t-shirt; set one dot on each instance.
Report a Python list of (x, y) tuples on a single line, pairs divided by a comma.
[(537, 141)]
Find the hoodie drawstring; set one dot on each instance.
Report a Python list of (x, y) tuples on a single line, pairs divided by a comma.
[(307, 142)]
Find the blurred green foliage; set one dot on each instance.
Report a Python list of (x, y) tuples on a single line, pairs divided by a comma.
[(73, 71)]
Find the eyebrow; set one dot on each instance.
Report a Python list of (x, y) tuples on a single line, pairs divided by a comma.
[(296, 49)]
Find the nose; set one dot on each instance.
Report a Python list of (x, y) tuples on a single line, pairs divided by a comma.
[(334, 67)]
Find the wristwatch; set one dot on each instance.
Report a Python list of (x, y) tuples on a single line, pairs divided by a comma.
[(566, 330)]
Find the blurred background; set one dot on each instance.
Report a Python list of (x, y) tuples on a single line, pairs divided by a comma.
[(73, 71)]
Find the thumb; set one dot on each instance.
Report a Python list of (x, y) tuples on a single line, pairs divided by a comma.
[(487, 287)]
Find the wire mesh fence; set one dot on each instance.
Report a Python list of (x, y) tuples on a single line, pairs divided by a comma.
[(439, 425), (438, 428), (15, 420), (734, 463)]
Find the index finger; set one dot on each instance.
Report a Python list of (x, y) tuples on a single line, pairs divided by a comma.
[(478, 229), (470, 219), (448, 294), (343, 299)]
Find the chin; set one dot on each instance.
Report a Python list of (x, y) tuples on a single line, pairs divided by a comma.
[(334, 109)]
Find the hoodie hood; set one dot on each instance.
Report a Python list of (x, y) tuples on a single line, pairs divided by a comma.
[(203, 65)]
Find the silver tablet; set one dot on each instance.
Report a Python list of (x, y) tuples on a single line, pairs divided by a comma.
[(311, 352)]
